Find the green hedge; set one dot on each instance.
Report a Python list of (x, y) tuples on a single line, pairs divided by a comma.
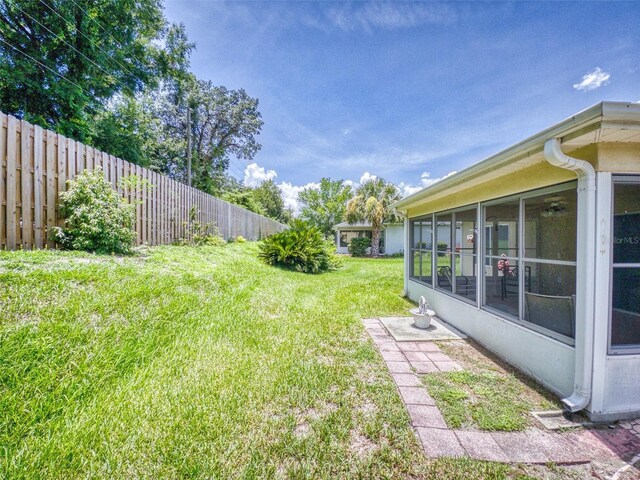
[(358, 246)]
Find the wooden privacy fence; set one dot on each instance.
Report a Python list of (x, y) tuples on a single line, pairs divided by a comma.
[(36, 163)]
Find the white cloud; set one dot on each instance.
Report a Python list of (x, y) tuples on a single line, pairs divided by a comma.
[(390, 15), (255, 175), (425, 180), (593, 80), (366, 176), (290, 194), (406, 189)]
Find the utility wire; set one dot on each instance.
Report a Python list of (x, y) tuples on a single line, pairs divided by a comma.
[(79, 52), (238, 170), (87, 37), (240, 174), (43, 65), (102, 28)]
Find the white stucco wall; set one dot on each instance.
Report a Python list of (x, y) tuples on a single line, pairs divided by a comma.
[(394, 239), (621, 390), (547, 360)]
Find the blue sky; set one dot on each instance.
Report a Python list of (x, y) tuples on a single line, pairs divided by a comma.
[(408, 91)]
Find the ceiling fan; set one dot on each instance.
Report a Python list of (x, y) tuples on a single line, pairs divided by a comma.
[(554, 207)]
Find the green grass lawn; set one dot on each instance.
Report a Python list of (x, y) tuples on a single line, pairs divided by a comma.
[(488, 394), (201, 363)]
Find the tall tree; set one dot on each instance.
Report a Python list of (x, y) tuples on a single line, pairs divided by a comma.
[(114, 75), (245, 198), (224, 124), (372, 203), (131, 127), (128, 129), (235, 192), (325, 207), (269, 196), (60, 61)]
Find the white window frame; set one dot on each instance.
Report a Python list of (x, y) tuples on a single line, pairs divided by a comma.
[(522, 260), (481, 256), (618, 350)]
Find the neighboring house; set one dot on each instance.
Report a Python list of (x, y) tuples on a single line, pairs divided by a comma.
[(391, 239), (539, 257)]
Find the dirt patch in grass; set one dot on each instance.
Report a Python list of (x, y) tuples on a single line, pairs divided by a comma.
[(305, 418), (488, 394), (302, 430), (361, 445)]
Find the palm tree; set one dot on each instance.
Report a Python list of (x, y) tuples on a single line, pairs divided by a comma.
[(372, 204)]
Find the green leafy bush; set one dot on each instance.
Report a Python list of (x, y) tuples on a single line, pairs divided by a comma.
[(240, 239), (96, 218), (302, 247), (198, 233), (442, 248), (358, 246)]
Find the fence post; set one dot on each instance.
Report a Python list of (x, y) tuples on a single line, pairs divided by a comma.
[(3, 190), (51, 187), (38, 186), (26, 153)]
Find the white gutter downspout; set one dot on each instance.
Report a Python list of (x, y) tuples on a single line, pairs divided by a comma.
[(585, 272)]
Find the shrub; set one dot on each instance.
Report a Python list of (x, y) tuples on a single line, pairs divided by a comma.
[(96, 218), (240, 239), (358, 246), (198, 233), (302, 247), (442, 248)]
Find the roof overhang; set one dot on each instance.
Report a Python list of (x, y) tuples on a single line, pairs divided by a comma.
[(362, 226), (355, 226), (604, 122)]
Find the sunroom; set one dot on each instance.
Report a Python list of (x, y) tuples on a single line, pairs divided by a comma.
[(535, 253)]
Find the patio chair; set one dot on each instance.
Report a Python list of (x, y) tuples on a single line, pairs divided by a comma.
[(445, 279), (463, 285), (555, 313)]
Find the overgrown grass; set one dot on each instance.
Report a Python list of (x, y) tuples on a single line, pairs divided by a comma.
[(201, 363), (483, 400), (487, 395)]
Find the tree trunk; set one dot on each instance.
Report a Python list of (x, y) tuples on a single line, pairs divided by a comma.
[(375, 242)]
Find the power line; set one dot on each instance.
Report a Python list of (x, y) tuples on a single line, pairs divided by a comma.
[(43, 65), (78, 51), (239, 174), (236, 170), (233, 169), (87, 37), (103, 29)]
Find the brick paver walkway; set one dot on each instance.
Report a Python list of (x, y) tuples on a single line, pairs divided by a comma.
[(633, 426), (408, 360)]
